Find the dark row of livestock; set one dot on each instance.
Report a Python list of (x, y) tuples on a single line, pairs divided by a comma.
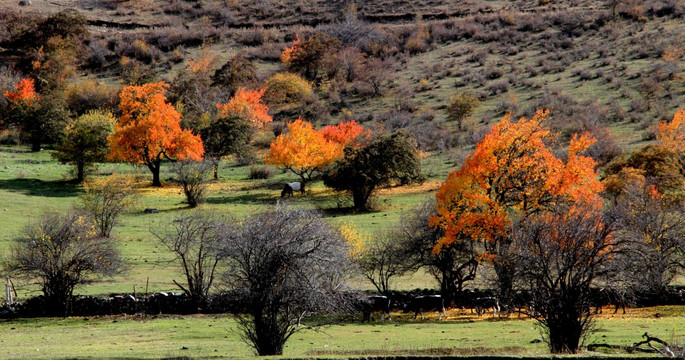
[(364, 307), (520, 302)]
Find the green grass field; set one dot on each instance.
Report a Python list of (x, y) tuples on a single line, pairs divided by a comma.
[(215, 336), (32, 183)]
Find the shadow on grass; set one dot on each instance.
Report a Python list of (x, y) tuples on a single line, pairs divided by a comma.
[(246, 198), (161, 211), (36, 187)]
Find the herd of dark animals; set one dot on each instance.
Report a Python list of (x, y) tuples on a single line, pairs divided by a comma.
[(418, 305), (483, 302), (289, 188)]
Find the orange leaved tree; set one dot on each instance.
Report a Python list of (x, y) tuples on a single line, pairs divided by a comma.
[(230, 132), (304, 150), (149, 130), (512, 174), (25, 93), (247, 105), (346, 133), (672, 134)]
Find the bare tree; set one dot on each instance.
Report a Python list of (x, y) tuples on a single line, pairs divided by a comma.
[(559, 255), (63, 251), (383, 260), (655, 226), (452, 267), (379, 74), (107, 199), (285, 263), (193, 176), (196, 240)]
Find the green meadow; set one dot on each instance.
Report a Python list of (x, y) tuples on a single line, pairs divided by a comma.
[(216, 336), (33, 183)]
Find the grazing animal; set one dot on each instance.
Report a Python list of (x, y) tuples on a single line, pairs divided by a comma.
[(484, 303), (428, 303), (287, 191), (289, 188), (608, 296), (373, 304)]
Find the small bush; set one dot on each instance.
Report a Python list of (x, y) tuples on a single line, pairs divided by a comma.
[(260, 172), (286, 88), (91, 95), (498, 87), (461, 106), (246, 158)]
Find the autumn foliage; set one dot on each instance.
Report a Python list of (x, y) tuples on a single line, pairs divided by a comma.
[(287, 53), (149, 130), (513, 173), (345, 133), (247, 105), (512, 169), (25, 93), (304, 150), (672, 134)]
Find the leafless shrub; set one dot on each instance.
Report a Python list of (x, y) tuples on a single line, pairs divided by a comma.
[(605, 149), (351, 30), (99, 53), (267, 52), (90, 95), (196, 240), (452, 267), (138, 49), (63, 251), (378, 74), (498, 87), (559, 256), (653, 224), (284, 264), (106, 200), (169, 38), (382, 260), (193, 177)]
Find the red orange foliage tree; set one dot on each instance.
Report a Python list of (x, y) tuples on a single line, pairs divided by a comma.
[(25, 93), (304, 150), (345, 133), (672, 134), (247, 105), (149, 130), (231, 131), (513, 173)]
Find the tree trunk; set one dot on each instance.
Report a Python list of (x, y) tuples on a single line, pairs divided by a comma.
[(505, 281), (154, 168), (269, 340), (35, 143), (80, 171), (216, 170), (359, 200), (361, 196), (564, 337)]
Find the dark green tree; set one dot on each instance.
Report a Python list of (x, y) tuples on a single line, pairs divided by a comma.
[(46, 122), (225, 135), (389, 158), (84, 141)]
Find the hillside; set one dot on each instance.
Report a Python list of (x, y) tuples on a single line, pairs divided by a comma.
[(594, 70)]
